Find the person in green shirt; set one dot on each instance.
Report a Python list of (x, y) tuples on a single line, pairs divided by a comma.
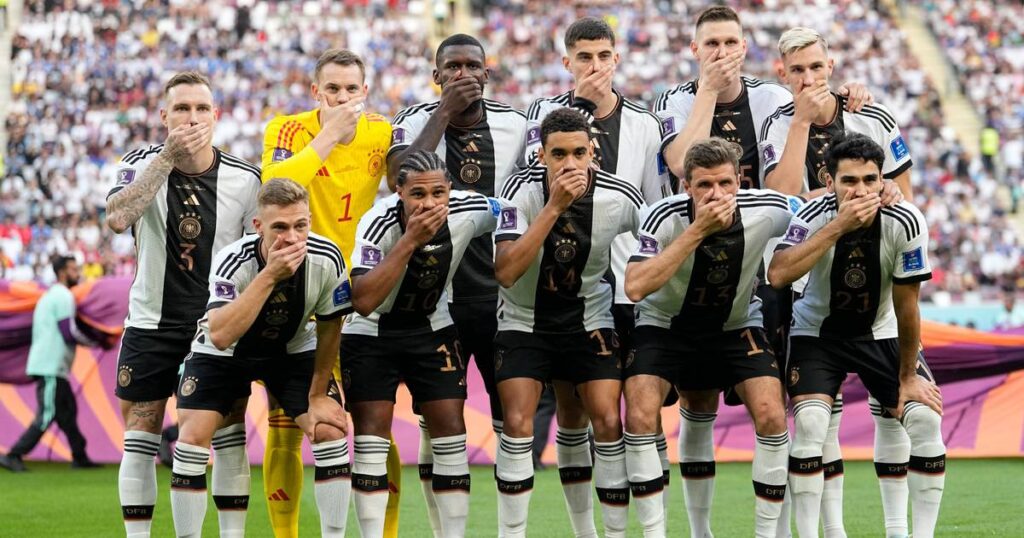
[(54, 338)]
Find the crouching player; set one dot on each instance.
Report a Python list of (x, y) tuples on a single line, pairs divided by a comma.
[(263, 290)]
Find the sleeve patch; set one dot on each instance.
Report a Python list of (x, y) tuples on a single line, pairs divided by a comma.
[(281, 154), (648, 245), (668, 126), (342, 294), (796, 234), (533, 135), (125, 176), (508, 219), (899, 148), (769, 153), (495, 206), (225, 290), (397, 136), (371, 256), (913, 260)]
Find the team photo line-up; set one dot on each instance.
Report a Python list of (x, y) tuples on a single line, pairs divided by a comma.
[(744, 237)]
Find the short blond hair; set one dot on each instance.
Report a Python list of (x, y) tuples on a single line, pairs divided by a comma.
[(187, 77), (281, 192), (800, 38), (343, 57)]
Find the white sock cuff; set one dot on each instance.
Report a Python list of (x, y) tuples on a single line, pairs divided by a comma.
[(371, 449), (640, 442), (449, 450), (611, 450), (141, 443), (516, 447), (773, 443), (695, 417), (190, 460), (661, 441), (498, 426), (331, 453), (229, 437)]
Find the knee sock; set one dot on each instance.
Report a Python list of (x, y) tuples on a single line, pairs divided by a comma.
[(927, 467), (892, 454), (612, 486), (370, 483), (230, 486), (136, 481), (451, 483), (666, 471), (282, 473), (769, 476), (575, 470), (646, 483), (806, 477), (514, 474), (188, 489), (832, 465), (332, 485), (426, 466), (697, 465)]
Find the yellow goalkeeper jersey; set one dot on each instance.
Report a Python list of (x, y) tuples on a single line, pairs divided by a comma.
[(341, 188)]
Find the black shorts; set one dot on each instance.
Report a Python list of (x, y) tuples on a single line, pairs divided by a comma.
[(431, 365), (477, 323), (820, 365), (702, 362), (777, 312), (149, 362), (576, 357), (213, 382)]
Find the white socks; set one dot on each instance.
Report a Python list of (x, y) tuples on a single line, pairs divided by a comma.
[(666, 470), (927, 466), (832, 465), (333, 485), (697, 465), (230, 486), (892, 454), (646, 482), (136, 481), (426, 467), (575, 470), (806, 478), (370, 483), (769, 474), (451, 484), (514, 474), (612, 486), (188, 489)]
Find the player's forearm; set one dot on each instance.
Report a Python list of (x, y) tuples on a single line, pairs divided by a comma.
[(698, 126), (229, 322), (513, 258), (903, 182), (370, 289), (791, 263), (648, 276), (427, 140), (126, 206), (787, 176), (908, 323), (328, 342), (300, 167)]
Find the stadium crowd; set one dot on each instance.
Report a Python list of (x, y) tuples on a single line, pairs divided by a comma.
[(87, 77)]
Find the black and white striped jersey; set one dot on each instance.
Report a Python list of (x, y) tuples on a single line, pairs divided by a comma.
[(564, 290), (319, 287), (419, 303), (713, 290), (190, 218), (739, 121), (849, 290), (873, 121), (479, 159), (627, 144)]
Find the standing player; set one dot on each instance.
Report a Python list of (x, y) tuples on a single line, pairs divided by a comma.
[(555, 322), (725, 104), (859, 313), (183, 200), (263, 290), (794, 141), (482, 143), (336, 151), (698, 327), (409, 246), (617, 123)]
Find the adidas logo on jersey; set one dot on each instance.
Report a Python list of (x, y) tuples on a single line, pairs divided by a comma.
[(729, 126), (279, 298), (192, 200), (471, 147), (857, 253)]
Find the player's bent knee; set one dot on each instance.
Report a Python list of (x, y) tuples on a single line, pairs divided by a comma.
[(642, 419), (323, 433), (607, 424), (770, 419), (922, 423)]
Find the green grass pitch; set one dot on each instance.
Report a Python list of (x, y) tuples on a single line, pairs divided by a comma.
[(982, 498)]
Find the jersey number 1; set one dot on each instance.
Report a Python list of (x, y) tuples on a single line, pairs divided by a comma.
[(347, 200)]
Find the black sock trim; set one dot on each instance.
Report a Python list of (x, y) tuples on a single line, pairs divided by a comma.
[(575, 475), (935, 465), (231, 502), (805, 466), (426, 471), (446, 483), (369, 484), (770, 492), (697, 469), (194, 483), (136, 512), (833, 469), (650, 487), (613, 496), (666, 477), (332, 472), (515, 487), (890, 470)]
